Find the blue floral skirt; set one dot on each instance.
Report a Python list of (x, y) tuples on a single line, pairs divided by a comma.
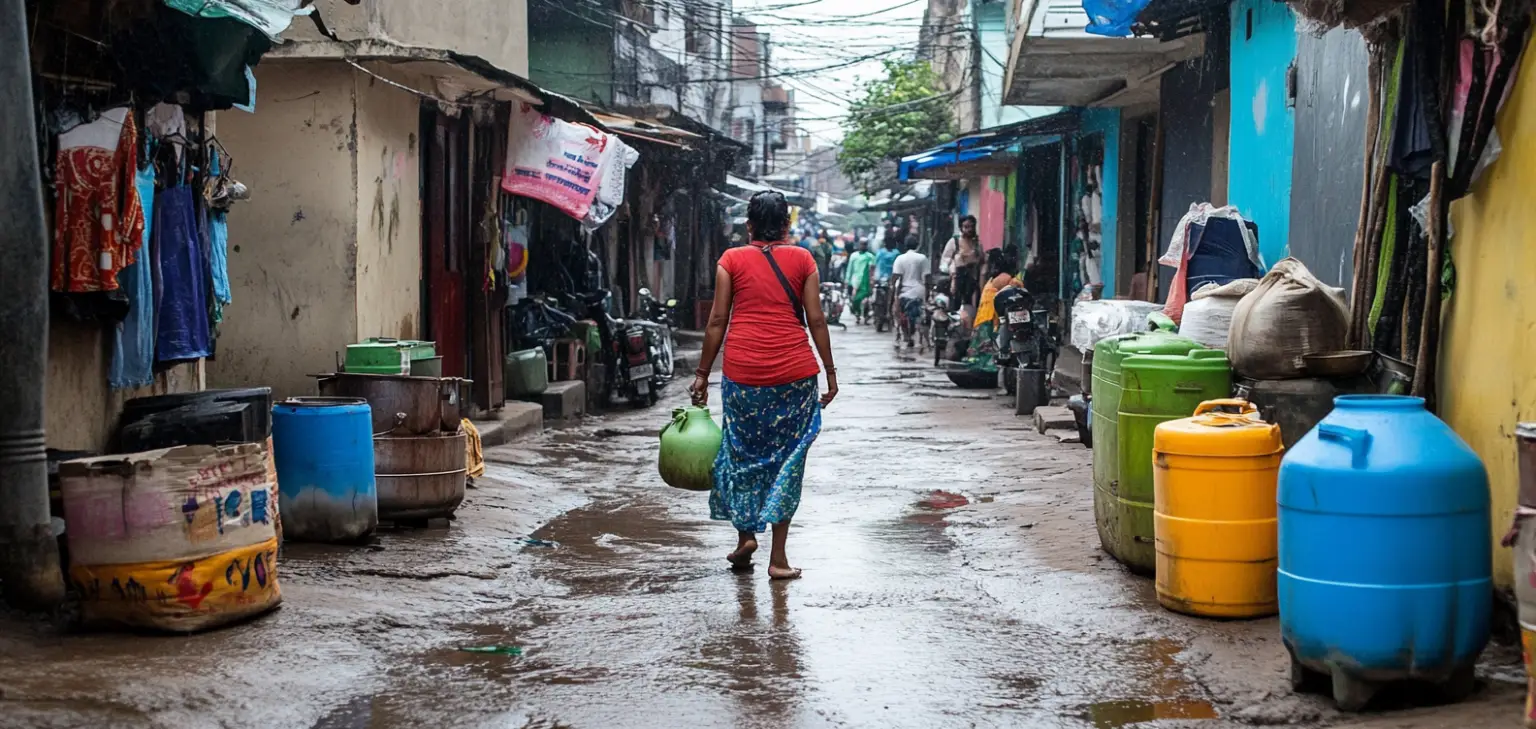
[(768, 431)]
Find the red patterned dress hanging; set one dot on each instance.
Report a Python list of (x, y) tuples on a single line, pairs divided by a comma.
[(98, 218)]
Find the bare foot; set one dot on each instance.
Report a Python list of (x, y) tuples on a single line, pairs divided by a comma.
[(742, 557), (775, 572)]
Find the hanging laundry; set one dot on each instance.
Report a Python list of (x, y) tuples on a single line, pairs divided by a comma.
[(181, 298), (98, 221), (269, 16), (218, 250), (133, 341)]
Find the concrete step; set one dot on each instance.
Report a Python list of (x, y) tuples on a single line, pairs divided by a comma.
[(564, 400), (1052, 417), (516, 419)]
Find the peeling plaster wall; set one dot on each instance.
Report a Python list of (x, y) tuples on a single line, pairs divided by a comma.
[(293, 246), (388, 211), (495, 30)]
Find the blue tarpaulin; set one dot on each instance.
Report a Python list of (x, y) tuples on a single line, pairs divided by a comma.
[(999, 144)]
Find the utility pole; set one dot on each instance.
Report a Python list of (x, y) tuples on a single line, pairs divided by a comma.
[(29, 556)]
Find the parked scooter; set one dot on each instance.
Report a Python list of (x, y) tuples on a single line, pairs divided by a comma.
[(833, 302)]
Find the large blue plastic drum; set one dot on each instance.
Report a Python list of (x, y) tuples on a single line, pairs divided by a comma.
[(323, 448), (1385, 551)]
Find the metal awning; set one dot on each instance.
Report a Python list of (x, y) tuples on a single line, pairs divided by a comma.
[(992, 151), (645, 131), (1053, 61)]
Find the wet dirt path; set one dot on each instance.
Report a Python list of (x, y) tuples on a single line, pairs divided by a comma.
[(952, 579), (918, 607)]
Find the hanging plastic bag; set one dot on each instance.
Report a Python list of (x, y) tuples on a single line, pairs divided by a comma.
[(1289, 315), (1112, 17)]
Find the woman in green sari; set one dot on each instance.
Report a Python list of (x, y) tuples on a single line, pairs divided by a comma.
[(861, 276)]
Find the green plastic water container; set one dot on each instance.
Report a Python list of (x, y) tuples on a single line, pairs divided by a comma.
[(1154, 389), (526, 373), (1108, 356)]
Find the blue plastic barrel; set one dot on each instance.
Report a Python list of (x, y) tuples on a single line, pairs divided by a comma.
[(323, 447), (1385, 551)]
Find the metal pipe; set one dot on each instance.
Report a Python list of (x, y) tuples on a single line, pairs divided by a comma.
[(29, 556)]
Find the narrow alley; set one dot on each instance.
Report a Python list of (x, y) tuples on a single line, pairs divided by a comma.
[(952, 578)]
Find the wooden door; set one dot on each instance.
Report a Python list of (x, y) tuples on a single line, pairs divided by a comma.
[(444, 206)]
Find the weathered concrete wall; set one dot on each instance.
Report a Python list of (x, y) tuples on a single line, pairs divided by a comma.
[(495, 30), (1490, 319), (388, 211), (80, 410), (293, 246)]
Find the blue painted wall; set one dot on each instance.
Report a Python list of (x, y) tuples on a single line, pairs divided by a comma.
[(1107, 123), (1263, 126)]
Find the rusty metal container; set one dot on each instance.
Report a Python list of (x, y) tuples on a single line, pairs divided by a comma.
[(420, 477), (402, 405)]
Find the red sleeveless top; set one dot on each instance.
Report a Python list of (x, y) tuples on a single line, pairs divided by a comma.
[(765, 344)]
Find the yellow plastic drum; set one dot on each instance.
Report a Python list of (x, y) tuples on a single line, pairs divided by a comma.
[(1214, 511)]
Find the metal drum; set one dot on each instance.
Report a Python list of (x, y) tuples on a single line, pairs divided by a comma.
[(402, 405), (323, 448), (420, 477)]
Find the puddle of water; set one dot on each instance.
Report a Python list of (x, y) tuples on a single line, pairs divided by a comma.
[(1115, 714)]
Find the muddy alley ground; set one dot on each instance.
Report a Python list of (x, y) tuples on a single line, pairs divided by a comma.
[(952, 579)]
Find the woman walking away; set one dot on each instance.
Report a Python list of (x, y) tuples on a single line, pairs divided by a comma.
[(769, 293)]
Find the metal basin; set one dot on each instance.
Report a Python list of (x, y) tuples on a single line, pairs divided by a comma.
[(402, 405), (419, 477)]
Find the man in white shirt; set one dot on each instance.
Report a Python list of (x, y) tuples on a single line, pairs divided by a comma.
[(909, 279)]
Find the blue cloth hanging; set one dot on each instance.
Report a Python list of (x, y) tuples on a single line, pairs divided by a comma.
[(218, 252), (183, 284), (133, 341)]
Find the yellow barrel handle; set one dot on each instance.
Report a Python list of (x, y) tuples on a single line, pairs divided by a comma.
[(1244, 407)]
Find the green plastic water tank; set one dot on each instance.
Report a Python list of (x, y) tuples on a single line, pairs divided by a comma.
[(1154, 389), (1108, 355)]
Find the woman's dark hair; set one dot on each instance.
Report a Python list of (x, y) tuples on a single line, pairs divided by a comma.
[(1002, 260), (968, 219), (768, 214)]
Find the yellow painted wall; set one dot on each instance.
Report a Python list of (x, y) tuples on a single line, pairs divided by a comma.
[(293, 245), (1488, 358), (388, 211)]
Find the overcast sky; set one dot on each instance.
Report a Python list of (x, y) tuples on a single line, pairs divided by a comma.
[(826, 33)]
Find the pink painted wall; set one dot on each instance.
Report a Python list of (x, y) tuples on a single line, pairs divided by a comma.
[(993, 215)]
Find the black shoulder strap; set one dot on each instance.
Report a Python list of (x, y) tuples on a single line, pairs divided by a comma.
[(788, 290)]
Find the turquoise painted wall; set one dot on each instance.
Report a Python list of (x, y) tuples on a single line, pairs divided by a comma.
[(1263, 127), (1107, 123), (992, 30)]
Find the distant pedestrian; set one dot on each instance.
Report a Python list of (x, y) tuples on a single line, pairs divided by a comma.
[(962, 261), (861, 280), (909, 279), (885, 260), (822, 252), (770, 293)]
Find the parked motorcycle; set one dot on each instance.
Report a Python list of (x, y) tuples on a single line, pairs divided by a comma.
[(1024, 330), (942, 322), (882, 305), (662, 320), (833, 302), (629, 353)]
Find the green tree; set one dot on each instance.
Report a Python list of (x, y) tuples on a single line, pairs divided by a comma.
[(903, 113)]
